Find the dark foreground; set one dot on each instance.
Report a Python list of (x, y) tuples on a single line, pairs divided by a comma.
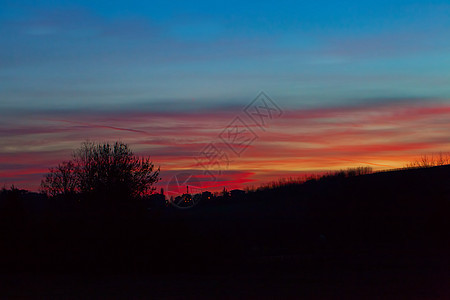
[(374, 236)]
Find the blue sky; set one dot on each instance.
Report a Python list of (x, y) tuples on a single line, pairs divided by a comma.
[(72, 55)]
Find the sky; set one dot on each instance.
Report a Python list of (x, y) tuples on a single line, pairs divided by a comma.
[(349, 83)]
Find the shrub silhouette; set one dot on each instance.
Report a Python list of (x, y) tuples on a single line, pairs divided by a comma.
[(102, 171), (11, 204)]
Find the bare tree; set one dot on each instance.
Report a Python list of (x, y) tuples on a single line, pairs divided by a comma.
[(432, 160), (109, 171), (61, 180)]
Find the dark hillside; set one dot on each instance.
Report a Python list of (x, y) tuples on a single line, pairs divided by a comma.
[(383, 234)]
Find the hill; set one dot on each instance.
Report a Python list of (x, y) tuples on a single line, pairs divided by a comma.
[(383, 234)]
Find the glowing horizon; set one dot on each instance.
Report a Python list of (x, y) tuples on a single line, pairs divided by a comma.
[(300, 142)]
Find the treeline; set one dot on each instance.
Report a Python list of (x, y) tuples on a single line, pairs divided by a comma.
[(430, 160), (291, 181)]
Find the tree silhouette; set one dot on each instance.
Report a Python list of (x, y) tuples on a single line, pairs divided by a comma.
[(61, 180), (432, 160), (103, 171)]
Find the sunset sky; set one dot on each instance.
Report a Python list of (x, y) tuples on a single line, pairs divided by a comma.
[(357, 83)]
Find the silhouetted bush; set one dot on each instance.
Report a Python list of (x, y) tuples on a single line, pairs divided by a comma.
[(11, 203)]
